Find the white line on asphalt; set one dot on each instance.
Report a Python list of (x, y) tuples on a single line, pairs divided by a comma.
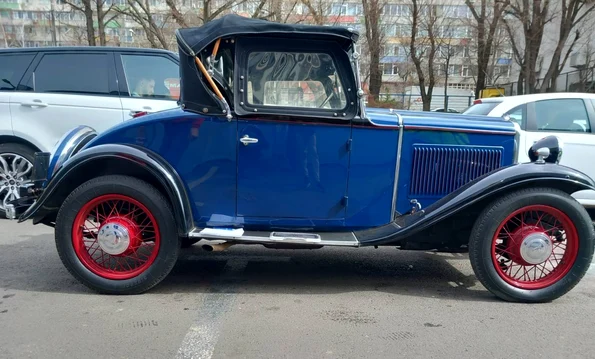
[(200, 341)]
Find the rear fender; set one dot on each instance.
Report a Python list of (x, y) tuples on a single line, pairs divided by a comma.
[(113, 159)]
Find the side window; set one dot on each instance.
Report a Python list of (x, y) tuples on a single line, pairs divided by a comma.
[(151, 77), (518, 115), (286, 79), (562, 115), (81, 74), (12, 69)]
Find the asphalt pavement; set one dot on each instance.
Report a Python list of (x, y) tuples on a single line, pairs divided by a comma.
[(252, 302)]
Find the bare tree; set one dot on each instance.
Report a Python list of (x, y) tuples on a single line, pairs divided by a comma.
[(91, 9), (86, 7), (104, 16), (4, 35), (572, 13), (259, 9), (428, 33), (140, 12), (318, 10), (447, 52), (487, 15), (532, 17), (517, 53), (372, 12)]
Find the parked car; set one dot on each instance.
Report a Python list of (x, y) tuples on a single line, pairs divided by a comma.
[(569, 116), (272, 145), (441, 109), (47, 91)]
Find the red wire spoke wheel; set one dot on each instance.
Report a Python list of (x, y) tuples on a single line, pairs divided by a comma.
[(531, 245), (116, 237), (534, 247)]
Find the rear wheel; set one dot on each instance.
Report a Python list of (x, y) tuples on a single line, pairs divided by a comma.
[(533, 245), (117, 235), (16, 167)]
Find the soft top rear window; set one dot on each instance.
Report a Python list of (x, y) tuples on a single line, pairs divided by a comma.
[(483, 108)]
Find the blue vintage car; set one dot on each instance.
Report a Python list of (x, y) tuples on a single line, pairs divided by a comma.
[(272, 145)]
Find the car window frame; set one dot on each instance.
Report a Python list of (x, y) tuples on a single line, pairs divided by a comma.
[(247, 45), (112, 83), (525, 120), (532, 116), (31, 62), (121, 73)]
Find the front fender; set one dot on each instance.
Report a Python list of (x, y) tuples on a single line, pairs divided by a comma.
[(75, 171), (484, 188)]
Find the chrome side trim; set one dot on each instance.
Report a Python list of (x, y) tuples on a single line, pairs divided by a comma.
[(462, 130), (336, 239), (393, 210)]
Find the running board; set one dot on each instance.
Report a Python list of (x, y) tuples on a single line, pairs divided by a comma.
[(345, 239)]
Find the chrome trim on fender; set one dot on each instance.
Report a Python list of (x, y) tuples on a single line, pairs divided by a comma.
[(76, 136), (397, 166), (517, 143)]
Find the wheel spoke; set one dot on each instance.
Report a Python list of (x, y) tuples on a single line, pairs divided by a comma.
[(3, 166)]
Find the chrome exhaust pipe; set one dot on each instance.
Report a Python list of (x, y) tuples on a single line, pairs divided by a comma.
[(217, 247)]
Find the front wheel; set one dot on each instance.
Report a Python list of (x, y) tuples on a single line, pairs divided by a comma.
[(532, 245), (116, 235)]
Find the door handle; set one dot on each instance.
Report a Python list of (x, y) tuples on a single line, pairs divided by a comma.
[(34, 103), (246, 140)]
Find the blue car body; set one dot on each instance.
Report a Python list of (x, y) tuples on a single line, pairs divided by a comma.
[(315, 175)]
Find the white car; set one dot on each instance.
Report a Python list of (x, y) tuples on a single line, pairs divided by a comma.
[(44, 92), (569, 116)]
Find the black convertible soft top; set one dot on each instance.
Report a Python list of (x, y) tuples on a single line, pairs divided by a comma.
[(195, 93), (195, 39)]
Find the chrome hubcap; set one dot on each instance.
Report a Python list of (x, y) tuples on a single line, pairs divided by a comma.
[(113, 238), (15, 172), (536, 248)]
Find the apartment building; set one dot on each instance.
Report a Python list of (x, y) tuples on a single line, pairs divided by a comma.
[(55, 23)]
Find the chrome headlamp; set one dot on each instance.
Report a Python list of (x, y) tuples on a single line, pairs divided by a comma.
[(548, 149)]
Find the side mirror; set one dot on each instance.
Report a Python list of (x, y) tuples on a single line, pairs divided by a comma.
[(547, 149)]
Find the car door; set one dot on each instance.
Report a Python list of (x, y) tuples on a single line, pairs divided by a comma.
[(63, 90), (149, 82), (571, 119), (292, 168)]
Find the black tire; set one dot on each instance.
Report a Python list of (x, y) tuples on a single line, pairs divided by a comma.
[(22, 150), (142, 192), (189, 242), (488, 222)]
